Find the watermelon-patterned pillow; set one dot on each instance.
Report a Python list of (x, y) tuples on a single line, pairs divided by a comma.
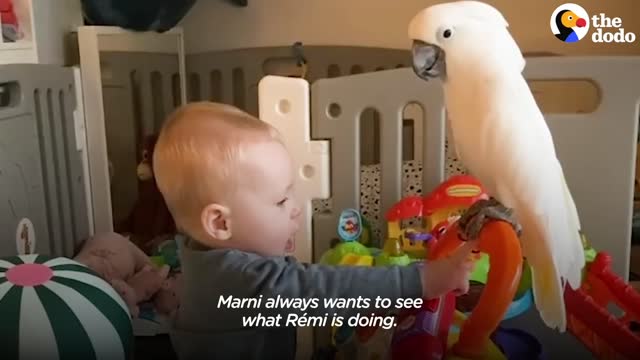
[(57, 308)]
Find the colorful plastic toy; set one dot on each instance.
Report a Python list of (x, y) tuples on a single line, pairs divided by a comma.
[(10, 27), (443, 204), (392, 254), (604, 335), (349, 225), (451, 199), (407, 208), (500, 242), (424, 333), (349, 251), (167, 254), (366, 237), (507, 290), (523, 299), (440, 209)]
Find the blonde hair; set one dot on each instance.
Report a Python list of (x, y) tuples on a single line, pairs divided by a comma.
[(197, 154)]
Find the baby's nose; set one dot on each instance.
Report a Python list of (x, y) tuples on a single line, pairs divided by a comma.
[(296, 212)]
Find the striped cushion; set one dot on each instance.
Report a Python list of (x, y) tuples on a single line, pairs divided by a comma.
[(56, 308)]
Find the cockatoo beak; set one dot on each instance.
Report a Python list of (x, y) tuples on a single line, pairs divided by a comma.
[(428, 60)]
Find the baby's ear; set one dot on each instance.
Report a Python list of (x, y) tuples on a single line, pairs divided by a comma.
[(216, 221)]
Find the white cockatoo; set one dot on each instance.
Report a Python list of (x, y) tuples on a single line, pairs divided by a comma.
[(501, 137)]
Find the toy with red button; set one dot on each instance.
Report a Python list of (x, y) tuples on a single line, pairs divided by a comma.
[(10, 28)]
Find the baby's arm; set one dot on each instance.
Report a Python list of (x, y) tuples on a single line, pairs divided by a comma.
[(290, 279)]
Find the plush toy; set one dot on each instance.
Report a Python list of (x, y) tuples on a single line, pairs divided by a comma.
[(150, 222), (123, 265), (166, 300), (112, 256), (141, 287)]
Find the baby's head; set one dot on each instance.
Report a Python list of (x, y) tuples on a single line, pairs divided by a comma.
[(227, 178)]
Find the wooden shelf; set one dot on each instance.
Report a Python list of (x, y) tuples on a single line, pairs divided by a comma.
[(18, 45)]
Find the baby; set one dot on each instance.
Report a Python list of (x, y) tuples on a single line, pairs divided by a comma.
[(228, 181)]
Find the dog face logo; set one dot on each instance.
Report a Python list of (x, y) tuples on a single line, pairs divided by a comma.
[(569, 23)]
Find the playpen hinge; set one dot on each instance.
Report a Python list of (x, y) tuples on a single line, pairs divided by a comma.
[(80, 131), (301, 60)]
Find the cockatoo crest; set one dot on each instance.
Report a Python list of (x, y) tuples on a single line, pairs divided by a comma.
[(482, 13)]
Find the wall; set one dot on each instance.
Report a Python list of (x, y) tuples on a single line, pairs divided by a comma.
[(52, 19), (214, 24)]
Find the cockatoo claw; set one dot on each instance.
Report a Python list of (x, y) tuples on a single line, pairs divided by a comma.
[(481, 212)]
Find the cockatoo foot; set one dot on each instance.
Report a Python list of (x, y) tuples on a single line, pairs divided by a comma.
[(480, 213)]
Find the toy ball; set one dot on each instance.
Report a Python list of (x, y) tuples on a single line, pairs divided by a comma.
[(57, 308)]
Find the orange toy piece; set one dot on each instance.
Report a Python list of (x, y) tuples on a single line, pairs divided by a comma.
[(500, 242), (587, 317)]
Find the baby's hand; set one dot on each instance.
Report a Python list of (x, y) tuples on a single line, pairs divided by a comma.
[(448, 274)]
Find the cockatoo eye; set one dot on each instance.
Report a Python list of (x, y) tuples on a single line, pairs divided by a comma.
[(447, 33)]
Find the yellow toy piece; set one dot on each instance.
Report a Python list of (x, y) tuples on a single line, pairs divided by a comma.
[(394, 229), (493, 352), (357, 260)]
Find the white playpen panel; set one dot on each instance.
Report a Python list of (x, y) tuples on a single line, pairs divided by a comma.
[(148, 52), (284, 103), (337, 107), (43, 208)]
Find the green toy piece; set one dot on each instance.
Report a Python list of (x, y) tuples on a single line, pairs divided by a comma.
[(525, 280), (481, 271), (158, 261), (589, 252), (366, 238), (167, 254), (392, 254), (334, 256)]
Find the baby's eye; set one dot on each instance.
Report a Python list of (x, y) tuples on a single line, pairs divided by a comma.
[(281, 202)]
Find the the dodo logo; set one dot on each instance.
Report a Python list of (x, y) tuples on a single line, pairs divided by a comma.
[(569, 22)]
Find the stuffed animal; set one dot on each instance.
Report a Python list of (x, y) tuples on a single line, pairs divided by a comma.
[(167, 299), (123, 265), (150, 222), (112, 256), (141, 287)]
